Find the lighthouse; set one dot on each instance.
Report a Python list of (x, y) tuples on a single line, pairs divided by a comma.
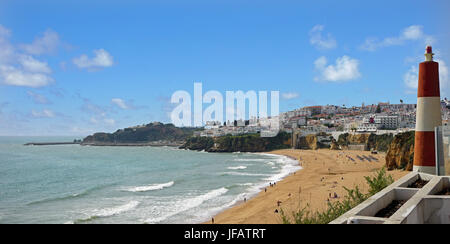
[(428, 115)]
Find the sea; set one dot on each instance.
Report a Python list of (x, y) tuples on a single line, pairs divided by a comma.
[(73, 184)]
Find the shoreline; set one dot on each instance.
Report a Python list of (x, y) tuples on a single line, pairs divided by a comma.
[(260, 186), (323, 172)]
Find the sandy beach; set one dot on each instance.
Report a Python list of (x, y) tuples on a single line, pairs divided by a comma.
[(323, 172)]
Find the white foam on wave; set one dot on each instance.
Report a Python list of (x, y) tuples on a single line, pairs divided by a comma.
[(238, 167), (186, 204), (250, 160), (288, 166), (246, 184), (151, 187), (244, 174), (269, 155), (107, 212), (285, 165)]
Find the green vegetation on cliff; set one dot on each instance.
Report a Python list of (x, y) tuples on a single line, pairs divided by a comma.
[(241, 143), (141, 134), (198, 143)]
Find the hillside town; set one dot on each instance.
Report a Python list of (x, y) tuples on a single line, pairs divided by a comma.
[(380, 118)]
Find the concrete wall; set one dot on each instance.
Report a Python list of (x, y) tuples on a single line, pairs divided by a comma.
[(422, 205)]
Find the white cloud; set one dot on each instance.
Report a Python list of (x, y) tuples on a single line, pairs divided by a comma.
[(120, 103), (411, 77), (4, 32), (32, 65), (47, 43), (101, 59), (38, 98), (444, 78), (413, 32), (6, 49), (109, 121), (17, 77), (42, 114), (18, 69), (410, 33), (320, 42), (289, 95), (345, 69), (93, 120)]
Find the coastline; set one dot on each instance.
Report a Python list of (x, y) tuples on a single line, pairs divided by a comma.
[(323, 172)]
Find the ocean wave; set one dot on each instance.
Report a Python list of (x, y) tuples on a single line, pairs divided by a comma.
[(250, 160), (245, 184), (68, 197), (238, 167), (151, 187), (244, 174), (269, 155), (288, 166), (189, 203), (239, 185), (54, 199), (107, 212)]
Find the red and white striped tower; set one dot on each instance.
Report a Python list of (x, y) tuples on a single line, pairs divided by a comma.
[(428, 115)]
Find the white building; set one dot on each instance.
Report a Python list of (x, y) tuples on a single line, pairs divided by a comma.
[(374, 123), (388, 122)]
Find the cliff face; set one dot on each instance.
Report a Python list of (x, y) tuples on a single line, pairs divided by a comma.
[(400, 154), (243, 143), (319, 140), (346, 139), (307, 142), (370, 141)]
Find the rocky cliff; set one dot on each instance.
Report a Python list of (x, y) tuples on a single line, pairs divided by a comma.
[(370, 141), (313, 141), (242, 143), (400, 154)]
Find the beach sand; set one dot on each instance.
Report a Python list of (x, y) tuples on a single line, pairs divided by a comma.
[(324, 171)]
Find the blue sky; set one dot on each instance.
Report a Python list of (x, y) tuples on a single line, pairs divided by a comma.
[(77, 67)]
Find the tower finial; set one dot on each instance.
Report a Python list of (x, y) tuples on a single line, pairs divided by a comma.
[(429, 53)]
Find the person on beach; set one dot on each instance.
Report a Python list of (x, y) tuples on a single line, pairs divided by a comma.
[(212, 220), (265, 189)]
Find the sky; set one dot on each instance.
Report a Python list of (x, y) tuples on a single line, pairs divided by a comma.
[(79, 67)]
